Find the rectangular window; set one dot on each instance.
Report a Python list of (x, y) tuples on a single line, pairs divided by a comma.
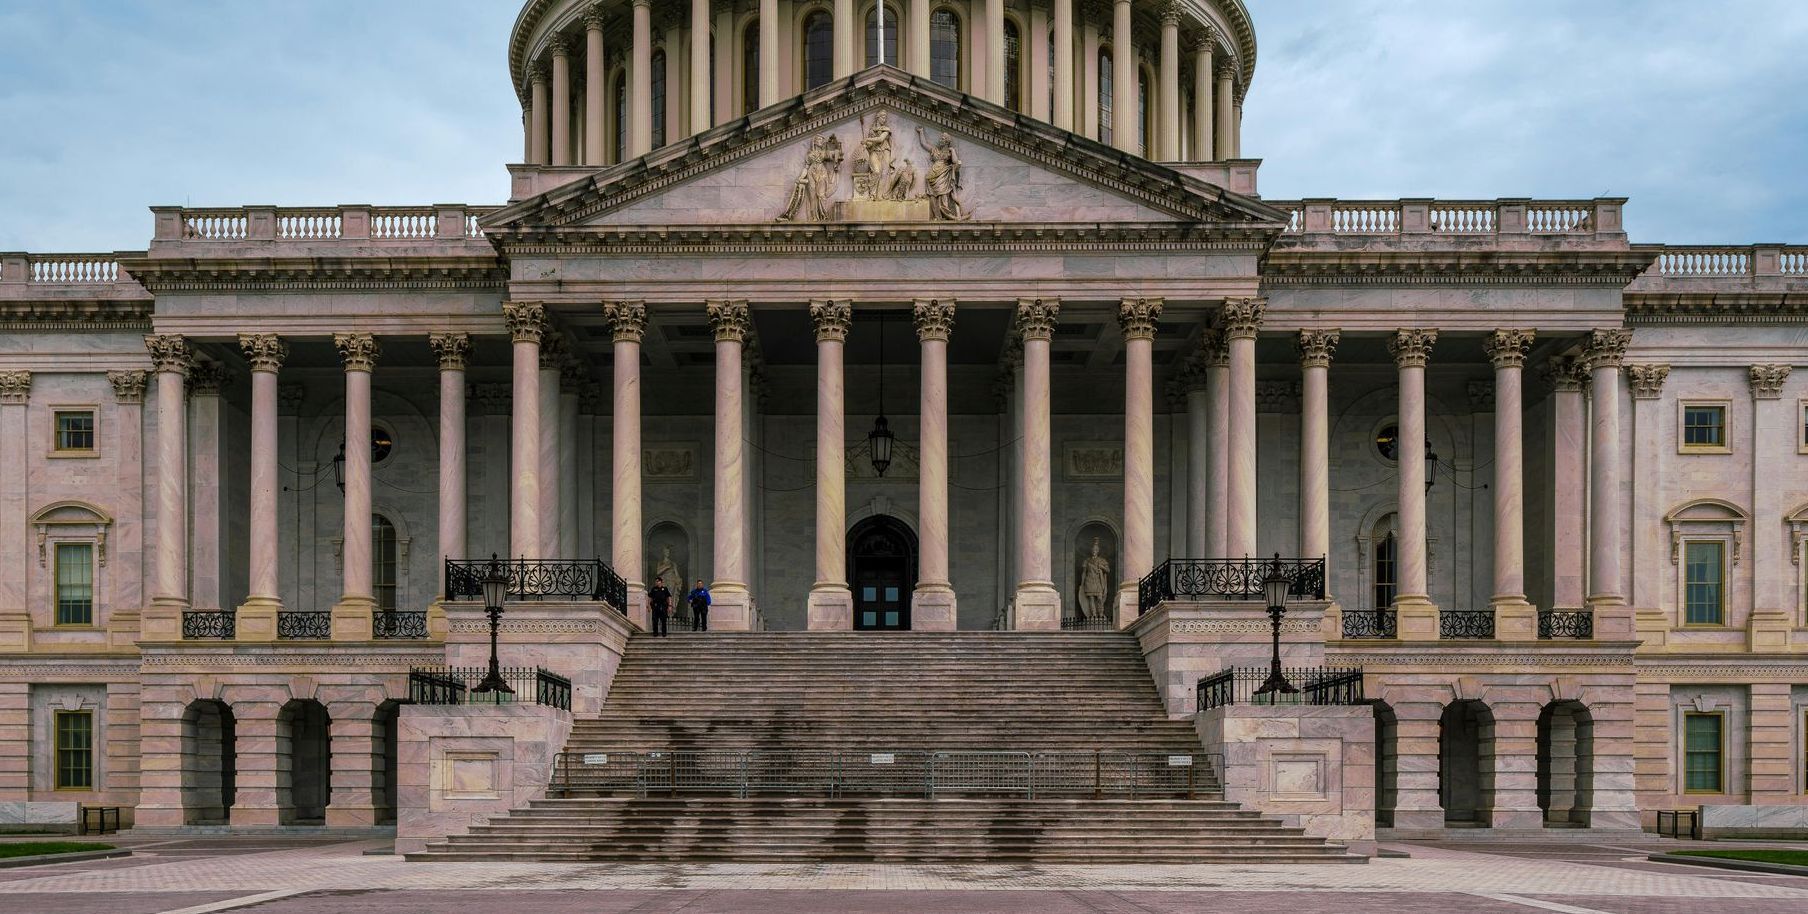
[(75, 750), (75, 430), (75, 584), (1702, 748), (1703, 426), (1704, 582), (1801, 443)]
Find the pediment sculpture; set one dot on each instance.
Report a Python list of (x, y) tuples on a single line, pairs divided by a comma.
[(886, 185)]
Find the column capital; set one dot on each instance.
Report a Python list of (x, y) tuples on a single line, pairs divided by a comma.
[(452, 349), (572, 376), (205, 379), (934, 318), (1093, 10), (169, 353), (558, 46), (1191, 376), (1214, 349), (1767, 381), (1227, 69), (1411, 347), (1243, 317), (1204, 41), (359, 351), (1316, 347), (1565, 374), (627, 319), (492, 399), (1508, 348), (552, 352), (1138, 317), (832, 318), (728, 317), (1646, 381), (265, 351), (128, 386), (15, 386), (1606, 348), (595, 19), (540, 71), (1036, 317), (1170, 12), (526, 320)]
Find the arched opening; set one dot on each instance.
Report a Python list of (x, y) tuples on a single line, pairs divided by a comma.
[(384, 747), (1566, 764), (882, 36), (1105, 100), (669, 556), (882, 563), (657, 71), (1466, 764), (750, 67), (209, 763), (1013, 66), (621, 118), (1387, 764), (1094, 578), (944, 47), (1142, 112), (383, 551), (303, 763), (1386, 573), (819, 49)]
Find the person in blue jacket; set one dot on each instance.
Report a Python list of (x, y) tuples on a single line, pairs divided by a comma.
[(699, 600)]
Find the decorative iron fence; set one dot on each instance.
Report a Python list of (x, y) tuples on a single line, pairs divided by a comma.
[(1228, 579), (1374, 623), (304, 625), (209, 625), (1679, 823), (390, 624), (893, 773), (1080, 624), (1328, 685), (540, 580), (1560, 623), (442, 685), (1465, 623)]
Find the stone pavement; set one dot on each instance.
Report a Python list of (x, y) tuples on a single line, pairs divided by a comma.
[(278, 877)]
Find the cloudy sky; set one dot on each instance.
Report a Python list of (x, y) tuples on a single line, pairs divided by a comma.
[(1697, 111)]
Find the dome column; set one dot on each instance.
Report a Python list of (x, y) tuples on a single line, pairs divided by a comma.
[(539, 117), (1222, 99), (1202, 98), (561, 102), (1166, 147), (595, 84), (1123, 78), (640, 101), (700, 76)]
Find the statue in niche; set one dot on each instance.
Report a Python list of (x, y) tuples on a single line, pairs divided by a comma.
[(812, 195), (1095, 585), (943, 178), (666, 567)]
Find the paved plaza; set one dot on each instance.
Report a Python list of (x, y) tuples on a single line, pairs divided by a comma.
[(284, 876)]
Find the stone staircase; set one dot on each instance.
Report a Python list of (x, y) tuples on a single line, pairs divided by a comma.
[(966, 711)]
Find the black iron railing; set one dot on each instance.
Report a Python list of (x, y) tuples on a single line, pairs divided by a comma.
[(391, 624), (1679, 823), (541, 580), (443, 685), (1371, 623), (304, 625), (1455, 624), (209, 624), (1080, 624), (1227, 579), (1329, 685), (1563, 623)]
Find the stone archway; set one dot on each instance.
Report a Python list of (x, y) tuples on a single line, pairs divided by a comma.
[(1466, 764), (882, 570), (304, 763), (1566, 764), (209, 763), (1387, 764)]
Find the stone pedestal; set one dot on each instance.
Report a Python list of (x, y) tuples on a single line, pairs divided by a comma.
[(255, 620), (1515, 620), (1313, 766), (460, 765), (831, 609), (1037, 608), (730, 609), (932, 609), (1417, 619), (352, 619)]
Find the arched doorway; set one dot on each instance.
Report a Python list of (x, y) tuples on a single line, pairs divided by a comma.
[(1387, 764), (1565, 764), (303, 763), (208, 777), (1466, 764), (882, 567)]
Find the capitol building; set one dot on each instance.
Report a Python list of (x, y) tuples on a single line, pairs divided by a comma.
[(954, 329)]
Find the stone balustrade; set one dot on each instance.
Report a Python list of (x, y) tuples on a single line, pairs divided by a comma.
[(316, 224), (1468, 218)]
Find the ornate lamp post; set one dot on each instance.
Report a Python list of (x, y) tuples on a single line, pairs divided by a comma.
[(495, 588), (1276, 588)]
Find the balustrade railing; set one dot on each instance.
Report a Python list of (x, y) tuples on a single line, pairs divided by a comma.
[(1564, 623), (304, 625), (1365, 218), (1704, 262), (399, 625), (1560, 218), (1448, 217), (309, 224), (540, 580), (321, 223), (443, 685), (1456, 624), (209, 624), (1228, 579), (1793, 262), (73, 269), (411, 223), (1464, 218), (1317, 686), (215, 224), (1371, 623)]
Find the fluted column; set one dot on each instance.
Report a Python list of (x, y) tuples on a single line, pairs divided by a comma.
[(1222, 99), (452, 349), (526, 323), (1203, 71), (640, 75), (700, 75), (1064, 64), (628, 323), (1199, 454), (1242, 320), (846, 46), (359, 353), (1036, 87), (1038, 604), (265, 352), (1411, 349), (731, 609), (171, 359), (561, 100), (539, 115), (1316, 347), (769, 66), (1123, 78), (1514, 618), (1606, 508), (1217, 505), (596, 84), (1137, 318), (552, 361), (1166, 145), (995, 74), (831, 604), (932, 605), (916, 48)]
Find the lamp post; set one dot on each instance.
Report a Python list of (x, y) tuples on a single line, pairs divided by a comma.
[(1276, 587), (495, 587)]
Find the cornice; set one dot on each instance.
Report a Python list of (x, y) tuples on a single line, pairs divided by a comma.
[(75, 314), (931, 238), (313, 274), (1716, 308), (1379, 267)]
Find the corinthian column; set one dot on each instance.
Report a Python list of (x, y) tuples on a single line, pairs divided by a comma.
[(1411, 349), (351, 615), (169, 594), (628, 321), (265, 352), (640, 72), (1038, 604), (731, 607), (452, 350), (539, 116), (1062, 20), (916, 48), (769, 67), (932, 603), (1315, 350), (1606, 510), (595, 85), (700, 76), (1223, 99), (561, 100), (1216, 350), (1166, 147), (1203, 68), (994, 88), (526, 322), (1514, 618), (1242, 319), (1137, 318), (1569, 446), (1199, 452), (831, 606), (1124, 109), (552, 362)]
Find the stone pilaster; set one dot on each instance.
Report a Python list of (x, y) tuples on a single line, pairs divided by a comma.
[(1774, 428), (15, 611), (353, 730)]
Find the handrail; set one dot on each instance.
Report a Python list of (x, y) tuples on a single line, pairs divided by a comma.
[(1317, 686), (442, 685), (540, 580), (1228, 579)]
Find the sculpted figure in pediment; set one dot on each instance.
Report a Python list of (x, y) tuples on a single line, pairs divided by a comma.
[(812, 195), (943, 178)]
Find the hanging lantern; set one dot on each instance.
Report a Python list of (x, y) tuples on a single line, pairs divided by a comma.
[(339, 467), (879, 440), (1431, 466)]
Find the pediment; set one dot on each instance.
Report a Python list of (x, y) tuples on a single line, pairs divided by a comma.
[(884, 148)]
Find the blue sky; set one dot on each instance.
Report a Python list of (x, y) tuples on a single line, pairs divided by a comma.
[(1697, 111)]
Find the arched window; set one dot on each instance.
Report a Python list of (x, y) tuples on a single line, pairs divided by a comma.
[(944, 48), (1051, 74), (819, 49), (1104, 96), (1142, 112), (1013, 66), (658, 74), (893, 26), (383, 562), (1387, 563), (621, 117), (750, 67)]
